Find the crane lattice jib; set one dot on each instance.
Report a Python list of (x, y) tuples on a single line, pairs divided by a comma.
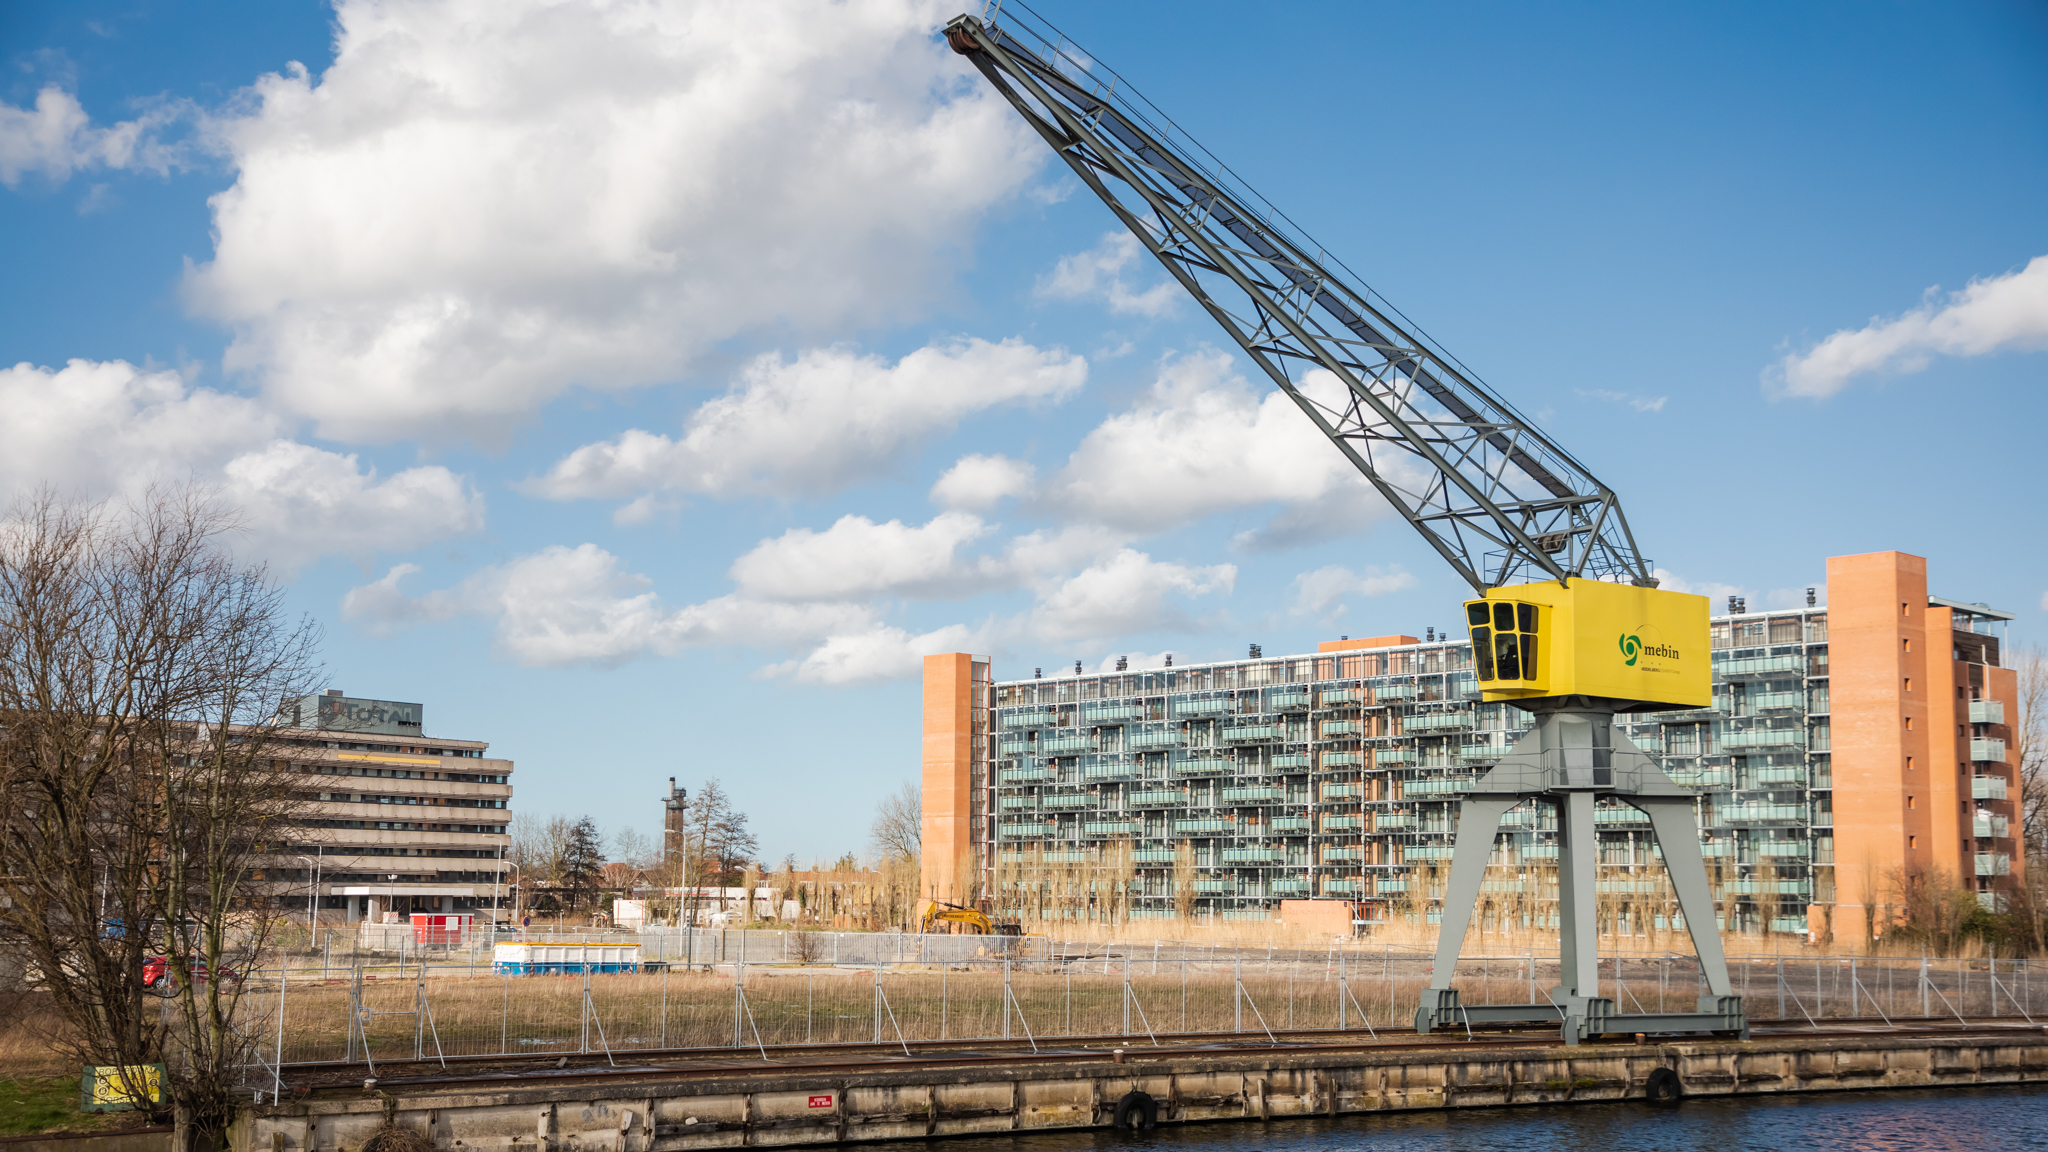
[(1495, 496)]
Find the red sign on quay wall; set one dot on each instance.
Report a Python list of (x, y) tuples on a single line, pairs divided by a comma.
[(821, 1101)]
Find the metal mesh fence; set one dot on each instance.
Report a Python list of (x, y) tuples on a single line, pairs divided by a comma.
[(910, 989)]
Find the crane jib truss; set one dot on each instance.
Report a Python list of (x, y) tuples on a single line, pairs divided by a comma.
[(1500, 500)]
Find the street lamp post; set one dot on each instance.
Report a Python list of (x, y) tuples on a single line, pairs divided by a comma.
[(518, 890)]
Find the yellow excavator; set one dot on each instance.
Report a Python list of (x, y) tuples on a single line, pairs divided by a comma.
[(934, 913)]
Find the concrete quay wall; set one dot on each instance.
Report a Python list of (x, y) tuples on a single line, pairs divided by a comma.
[(674, 1112)]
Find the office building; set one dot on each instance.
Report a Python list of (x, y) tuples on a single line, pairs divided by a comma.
[(1849, 747), (398, 821)]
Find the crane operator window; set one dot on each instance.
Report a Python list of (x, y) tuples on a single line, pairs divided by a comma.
[(1503, 639)]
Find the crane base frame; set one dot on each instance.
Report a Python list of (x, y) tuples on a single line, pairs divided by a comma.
[(1581, 1018)]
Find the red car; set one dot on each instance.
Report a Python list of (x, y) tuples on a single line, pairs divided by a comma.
[(156, 973)]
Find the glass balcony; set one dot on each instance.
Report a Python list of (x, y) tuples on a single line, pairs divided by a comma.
[(1332, 729), (1705, 778), (1992, 750), (1334, 697), (1725, 668), (1762, 814), (1426, 852), (1792, 924), (1765, 738), (1518, 818), (1476, 753), (1253, 732), (1341, 760), (1715, 849), (1253, 855), (1154, 739), (1393, 692), (1109, 828), (1283, 760), (1778, 701), (1067, 800), (1023, 831), (1014, 747), (1987, 787), (1017, 802), (1436, 722), (1781, 849), (1204, 767), (1205, 825), (1766, 887), (1987, 711), (1106, 772), (1152, 856), (1211, 707), (1156, 799), (1994, 864), (1251, 794), (1390, 887), (1289, 887), (1287, 701), (1284, 824), (1440, 786), (1621, 815), (1540, 852), (1335, 793), (1388, 757), (1778, 774), (1342, 855), (1027, 718), (1393, 821), (1026, 775), (1111, 713), (1335, 886), (1343, 823), (1216, 887), (1052, 745), (1988, 824)]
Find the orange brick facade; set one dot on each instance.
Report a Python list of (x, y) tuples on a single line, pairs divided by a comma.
[(956, 702)]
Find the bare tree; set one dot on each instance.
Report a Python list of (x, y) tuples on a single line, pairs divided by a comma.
[(633, 848), (898, 830), (143, 678), (2030, 740)]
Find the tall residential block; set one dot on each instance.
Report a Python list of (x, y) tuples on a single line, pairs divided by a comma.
[(1850, 750)]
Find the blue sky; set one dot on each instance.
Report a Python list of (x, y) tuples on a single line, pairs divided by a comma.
[(644, 387)]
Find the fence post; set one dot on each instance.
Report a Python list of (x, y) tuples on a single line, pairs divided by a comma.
[(1006, 997), (1237, 993), (1127, 997), (1341, 989), (877, 970), (1781, 987), (739, 972)]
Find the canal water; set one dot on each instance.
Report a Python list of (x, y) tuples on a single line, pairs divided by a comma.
[(1970, 1119)]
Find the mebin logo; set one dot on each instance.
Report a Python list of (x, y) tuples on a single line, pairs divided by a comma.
[(1633, 648)]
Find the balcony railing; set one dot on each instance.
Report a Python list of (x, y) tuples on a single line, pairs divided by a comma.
[(1778, 701), (1289, 887), (1109, 828), (1109, 771), (1152, 856), (1762, 814), (1342, 823), (1053, 744), (1025, 775), (1766, 887), (1992, 750), (1394, 692), (1765, 738), (1757, 665), (1332, 729), (1111, 713), (1159, 799), (1339, 886), (1341, 760), (1994, 864), (1783, 848), (1288, 824), (1286, 701), (1780, 774), (1023, 831), (1216, 887), (1621, 815), (1031, 718), (1251, 794), (1441, 786), (1204, 767), (1987, 711), (1067, 800), (1200, 707), (1333, 793), (1705, 778), (1204, 825), (1253, 855), (1436, 722), (1281, 760), (1426, 852), (1342, 855), (1253, 732), (1988, 824), (1987, 787), (1336, 696), (1393, 821), (1155, 739), (1394, 756), (1014, 747), (1391, 887)]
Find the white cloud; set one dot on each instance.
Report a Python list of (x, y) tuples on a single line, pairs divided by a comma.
[(978, 483), (1126, 593), (109, 429), (1712, 590), (1639, 403), (2003, 314), (813, 424), (562, 607), (857, 557), (1097, 274), (881, 653), (1202, 441), (1322, 592), (478, 206), (56, 138)]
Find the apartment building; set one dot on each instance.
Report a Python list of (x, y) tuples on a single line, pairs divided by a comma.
[(1846, 745), (399, 821)]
